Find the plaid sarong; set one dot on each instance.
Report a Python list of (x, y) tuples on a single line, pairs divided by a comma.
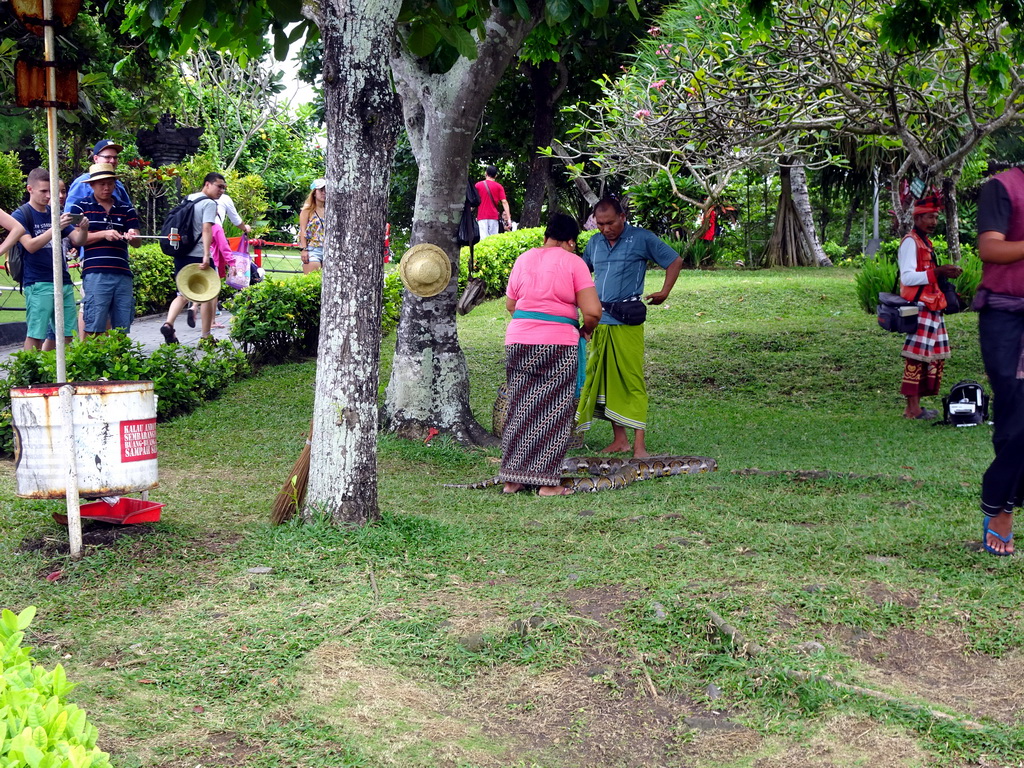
[(615, 388), (541, 399), (929, 342)]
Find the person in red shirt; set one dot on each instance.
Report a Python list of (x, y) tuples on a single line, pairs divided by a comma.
[(491, 195)]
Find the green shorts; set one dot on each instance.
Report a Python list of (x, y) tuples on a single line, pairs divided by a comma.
[(39, 310)]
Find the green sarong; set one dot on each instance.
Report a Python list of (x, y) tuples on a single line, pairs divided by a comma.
[(614, 389)]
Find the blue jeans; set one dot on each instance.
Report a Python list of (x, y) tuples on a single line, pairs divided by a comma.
[(107, 296), (1000, 334)]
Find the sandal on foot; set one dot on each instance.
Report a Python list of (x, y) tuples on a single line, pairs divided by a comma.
[(190, 318), (170, 337), (984, 539)]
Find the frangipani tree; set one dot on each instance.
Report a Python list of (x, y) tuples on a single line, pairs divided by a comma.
[(707, 98)]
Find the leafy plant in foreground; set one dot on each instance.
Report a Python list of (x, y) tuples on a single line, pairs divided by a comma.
[(38, 728)]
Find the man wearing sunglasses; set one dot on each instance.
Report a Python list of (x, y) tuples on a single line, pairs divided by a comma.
[(105, 152)]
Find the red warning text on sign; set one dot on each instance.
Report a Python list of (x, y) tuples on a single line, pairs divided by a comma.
[(138, 440)]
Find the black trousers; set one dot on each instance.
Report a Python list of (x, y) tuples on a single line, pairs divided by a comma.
[(1002, 486)]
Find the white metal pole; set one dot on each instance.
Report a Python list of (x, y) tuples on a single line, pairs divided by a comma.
[(67, 396), (67, 391), (49, 49)]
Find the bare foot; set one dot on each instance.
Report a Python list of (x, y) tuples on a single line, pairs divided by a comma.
[(640, 454), (512, 488), (1003, 525), (616, 447), (554, 490), (218, 325)]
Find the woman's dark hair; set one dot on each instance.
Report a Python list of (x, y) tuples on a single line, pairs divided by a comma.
[(562, 227)]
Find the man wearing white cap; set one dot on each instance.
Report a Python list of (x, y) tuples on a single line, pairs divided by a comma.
[(106, 274)]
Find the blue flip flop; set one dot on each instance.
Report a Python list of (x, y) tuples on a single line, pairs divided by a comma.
[(984, 539)]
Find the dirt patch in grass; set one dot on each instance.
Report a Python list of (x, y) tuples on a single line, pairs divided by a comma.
[(216, 749), (844, 741), (397, 715), (597, 603), (937, 667)]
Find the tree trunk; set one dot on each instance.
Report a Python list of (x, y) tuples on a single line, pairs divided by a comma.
[(363, 121), (805, 216), (952, 215), (429, 384), (546, 93), (794, 242), (850, 214)]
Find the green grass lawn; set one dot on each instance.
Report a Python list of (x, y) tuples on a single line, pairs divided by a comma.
[(470, 629)]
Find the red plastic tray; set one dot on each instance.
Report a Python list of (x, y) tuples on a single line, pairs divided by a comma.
[(125, 512)]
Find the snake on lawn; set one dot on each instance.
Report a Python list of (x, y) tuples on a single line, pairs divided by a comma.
[(605, 474)]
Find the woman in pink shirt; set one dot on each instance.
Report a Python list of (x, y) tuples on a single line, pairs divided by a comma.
[(546, 290)]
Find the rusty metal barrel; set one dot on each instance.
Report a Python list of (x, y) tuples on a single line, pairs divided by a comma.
[(115, 439)]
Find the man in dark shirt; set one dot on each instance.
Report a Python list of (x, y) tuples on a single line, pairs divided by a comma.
[(106, 274), (37, 278), (1000, 305)]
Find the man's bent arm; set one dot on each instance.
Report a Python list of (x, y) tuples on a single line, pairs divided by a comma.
[(994, 248), (671, 274)]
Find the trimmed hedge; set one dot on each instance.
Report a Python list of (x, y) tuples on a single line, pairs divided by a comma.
[(279, 319), (494, 256), (182, 378)]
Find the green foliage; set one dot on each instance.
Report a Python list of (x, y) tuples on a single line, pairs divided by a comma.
[(655, 205), (182, 377), (38, 728), (12, 182), (247, 191), (697, 255), (153, 284), (279, 319), (495, 256), (879, 274)]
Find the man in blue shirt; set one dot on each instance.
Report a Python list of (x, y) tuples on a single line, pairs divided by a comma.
[(106, 275), (105, 152), (37, 276), (615, 389)]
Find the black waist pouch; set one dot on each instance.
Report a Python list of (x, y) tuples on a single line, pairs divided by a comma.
[(629, 312)]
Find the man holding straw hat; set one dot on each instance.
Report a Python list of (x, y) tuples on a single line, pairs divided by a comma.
[(204, 215)]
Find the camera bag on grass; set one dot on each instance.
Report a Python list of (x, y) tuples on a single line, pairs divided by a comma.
[(966, 405)]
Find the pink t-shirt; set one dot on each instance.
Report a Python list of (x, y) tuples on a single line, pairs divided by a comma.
[(546, 280)]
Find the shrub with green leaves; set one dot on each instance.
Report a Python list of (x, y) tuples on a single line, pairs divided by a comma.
[(879, 274), (495, 256), (38, 728), (153, 284), (279, 319), (182, 377), (12, 182)]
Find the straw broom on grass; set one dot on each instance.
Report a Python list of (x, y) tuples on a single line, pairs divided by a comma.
[(293, 494)]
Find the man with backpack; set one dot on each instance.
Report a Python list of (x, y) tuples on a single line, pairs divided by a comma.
[(37, 264), (194, 218), (106, 274)]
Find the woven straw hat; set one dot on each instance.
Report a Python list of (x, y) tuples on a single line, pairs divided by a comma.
[(425, 269), (101, 171), (198, 284)]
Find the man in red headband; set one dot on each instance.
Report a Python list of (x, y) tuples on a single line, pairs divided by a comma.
[(927, 348)]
